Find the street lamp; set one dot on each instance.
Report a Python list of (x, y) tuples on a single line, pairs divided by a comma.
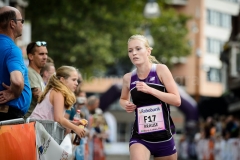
[(151, 9), (149, 37)]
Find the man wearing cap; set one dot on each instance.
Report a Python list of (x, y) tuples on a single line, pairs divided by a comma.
[(15, 92), (37, 55)]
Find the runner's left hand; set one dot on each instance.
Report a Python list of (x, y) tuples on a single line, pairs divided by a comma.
[(143, 87)]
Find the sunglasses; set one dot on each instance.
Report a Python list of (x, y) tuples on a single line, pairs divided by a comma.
[(41, 43), (22, 20), (37, 43)]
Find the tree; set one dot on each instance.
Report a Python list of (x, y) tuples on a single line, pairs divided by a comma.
[(92, 35)]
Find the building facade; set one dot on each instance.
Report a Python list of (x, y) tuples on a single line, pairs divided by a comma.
[(209, 28), (231, 59)]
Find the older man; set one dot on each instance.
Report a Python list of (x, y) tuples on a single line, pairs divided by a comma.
[(15, 92)]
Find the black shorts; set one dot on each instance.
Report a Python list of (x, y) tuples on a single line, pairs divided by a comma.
[(12, 113)]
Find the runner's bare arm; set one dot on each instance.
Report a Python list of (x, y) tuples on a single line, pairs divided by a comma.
[(172, 96), (125, 94)]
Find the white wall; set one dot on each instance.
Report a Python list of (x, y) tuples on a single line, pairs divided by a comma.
[(223, 6)]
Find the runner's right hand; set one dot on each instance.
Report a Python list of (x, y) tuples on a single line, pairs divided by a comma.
[(130, 107)]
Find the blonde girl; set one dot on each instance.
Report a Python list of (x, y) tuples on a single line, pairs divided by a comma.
[(57, 97), (151, 88)]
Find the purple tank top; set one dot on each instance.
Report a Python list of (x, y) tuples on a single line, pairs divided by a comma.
[(142, 99), (152, 77)]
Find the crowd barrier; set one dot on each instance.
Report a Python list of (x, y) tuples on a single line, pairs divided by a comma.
[(34, 140), (52, 127)]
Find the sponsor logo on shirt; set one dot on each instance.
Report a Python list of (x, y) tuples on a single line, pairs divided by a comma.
[(133, 82), (149, 110), (174, 148), (152, 79)]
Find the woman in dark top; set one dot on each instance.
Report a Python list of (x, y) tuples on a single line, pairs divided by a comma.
[(151, 88)]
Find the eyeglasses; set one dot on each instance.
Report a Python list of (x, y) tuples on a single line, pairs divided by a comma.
[(22, 20), (41, 43)]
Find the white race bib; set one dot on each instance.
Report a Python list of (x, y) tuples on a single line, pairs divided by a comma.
[(150, 119)]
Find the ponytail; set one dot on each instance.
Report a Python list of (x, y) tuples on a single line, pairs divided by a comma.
[(152, 59)]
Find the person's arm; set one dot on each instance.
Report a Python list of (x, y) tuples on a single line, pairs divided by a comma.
[(14, 90), (17, 83), (36, 92), (67, 114), (58, 111), (16, 69), (34, 83), (125, 94), (172, 96)]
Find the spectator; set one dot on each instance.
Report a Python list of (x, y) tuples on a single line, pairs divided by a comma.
[(92, 104), (97, 127), (15, 92), (57, 97), (37, 55), (72, 111), (79, 105), (47, 71), (233, 142), (81, 150), (50, 60), (183, 148)]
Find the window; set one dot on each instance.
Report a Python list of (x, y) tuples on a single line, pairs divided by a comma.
[(214, 46), (214, 75), (234, 1), (218, 19), (225, 20)]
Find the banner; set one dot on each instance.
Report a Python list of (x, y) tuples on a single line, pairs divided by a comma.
[(18, 142), (48, 149)]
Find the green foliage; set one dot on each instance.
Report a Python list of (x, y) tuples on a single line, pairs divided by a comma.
[(92, 34)]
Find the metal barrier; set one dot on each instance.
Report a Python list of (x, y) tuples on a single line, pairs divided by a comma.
[(52, 127), (12, 121)]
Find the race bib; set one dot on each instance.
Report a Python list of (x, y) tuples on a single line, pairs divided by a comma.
[(150, 119)]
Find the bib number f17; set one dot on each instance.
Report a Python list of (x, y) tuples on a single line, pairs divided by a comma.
[(150, 119)]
